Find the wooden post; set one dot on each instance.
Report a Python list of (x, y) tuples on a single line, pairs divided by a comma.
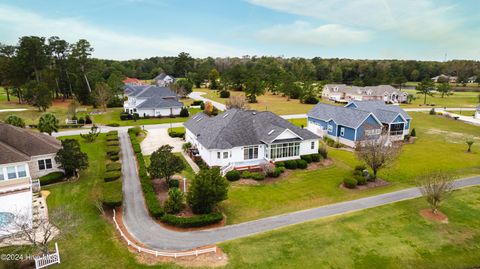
[(57, 252)]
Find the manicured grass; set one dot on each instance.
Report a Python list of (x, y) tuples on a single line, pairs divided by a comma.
[(440, 145), (4, 104), (299, 122), (463, 112), (391, 236), (275, 103), (458, 99)]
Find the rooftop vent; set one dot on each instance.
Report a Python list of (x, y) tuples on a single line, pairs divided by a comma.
[(199, 119), (254, 113), (224, 116), (269, 133)]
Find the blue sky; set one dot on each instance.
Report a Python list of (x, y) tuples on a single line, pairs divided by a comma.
[(360, 29)]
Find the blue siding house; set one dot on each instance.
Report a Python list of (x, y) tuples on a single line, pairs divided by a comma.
[(358, 120)]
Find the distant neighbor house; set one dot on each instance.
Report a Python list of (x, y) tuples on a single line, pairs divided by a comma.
[(132, 81), (24, 155), (472, 79), (358, 120), (242, 139), (151, 101), (163, 80), (344, 93), (445, 78)]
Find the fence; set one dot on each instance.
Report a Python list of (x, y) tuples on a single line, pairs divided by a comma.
[(47, 260), (162, 253)]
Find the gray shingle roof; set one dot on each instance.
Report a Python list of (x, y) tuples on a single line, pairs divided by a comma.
[(234, 128), (161, 77), (154, 91), (159, 102), (379, 108), (349, 117), (17, 144)]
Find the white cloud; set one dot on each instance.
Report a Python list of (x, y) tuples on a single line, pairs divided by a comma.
[(329, 35), (108, 44), (416, 19)]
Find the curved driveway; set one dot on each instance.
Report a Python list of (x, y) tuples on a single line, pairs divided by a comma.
[(140, 225)]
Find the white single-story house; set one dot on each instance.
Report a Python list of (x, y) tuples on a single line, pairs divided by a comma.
[(25, 155), (358, 121), (344, 93), (151, 101), (163, 80), (242, 139), (445, 78)]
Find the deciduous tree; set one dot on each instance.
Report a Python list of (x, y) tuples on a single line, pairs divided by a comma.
[(164, 164), (435, 187), (377, 153)]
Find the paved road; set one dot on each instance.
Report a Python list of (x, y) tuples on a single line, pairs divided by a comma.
[(198, 96), (144, 229)]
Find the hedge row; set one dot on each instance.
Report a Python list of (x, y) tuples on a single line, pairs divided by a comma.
[(113, 167), (153, 204), (113, 150), (111, 176), (191, 222), (176, 132), (293, 164), (61, 126), (112, 194), (51, 178)]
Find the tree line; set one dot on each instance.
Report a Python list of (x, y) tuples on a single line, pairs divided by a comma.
[(37, 68)]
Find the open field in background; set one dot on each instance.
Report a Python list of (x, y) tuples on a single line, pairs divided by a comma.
[(440, 145), (457, 99), (391, 236)]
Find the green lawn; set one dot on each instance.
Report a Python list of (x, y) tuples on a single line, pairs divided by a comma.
[(299, 122), (391, 236), (440, 145), (458, 99), (5, 104)]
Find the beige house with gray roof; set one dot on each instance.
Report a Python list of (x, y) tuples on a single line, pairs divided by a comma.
[(344, 93)]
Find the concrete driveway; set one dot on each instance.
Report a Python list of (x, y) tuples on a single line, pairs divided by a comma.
[(157, 138)]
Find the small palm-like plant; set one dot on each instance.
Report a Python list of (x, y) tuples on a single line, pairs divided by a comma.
[(48, 123), (470, 142)]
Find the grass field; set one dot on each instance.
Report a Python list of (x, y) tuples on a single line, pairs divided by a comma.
[(458, 99), (391, 236), (440, 145)]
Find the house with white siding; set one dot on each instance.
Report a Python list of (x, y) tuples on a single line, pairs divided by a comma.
[(344, 93), (239, 139), (151, 101), (25, 155)]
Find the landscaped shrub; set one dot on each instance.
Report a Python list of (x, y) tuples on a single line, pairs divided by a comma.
[(51, 178), (432, 111), (81, 121), (224, 94), (281, 169), (361, 180), (310, 100), (360, 167), (191, 222), (112, 195), (280, 164), (323, 152), (307, 158), (88, 120), (176, 132), (184, 112), (115, 102), (257, 176), (136, 148), (246, 174), (173, 183), (201, 163), (350, 183), (291, 164), (316, 157), (113, 150), (413, 133), (112, 133), (135, 130), (233, 175), (173, 204), (274, 173), (113, 124), (330, 142), (111, 176), (113, 167), (113, 143), (114, 158), (125, 116), (197, 102), (302, 164), (112, 138)]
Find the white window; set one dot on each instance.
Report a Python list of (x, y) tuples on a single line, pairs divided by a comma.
[(329, 128), (373, 132), (1, 174), (312, 146), (250, 152), (285, 150), (225, 154), (342, 131), (45, 164), (218, 155), (11, 172), (21, 172)]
